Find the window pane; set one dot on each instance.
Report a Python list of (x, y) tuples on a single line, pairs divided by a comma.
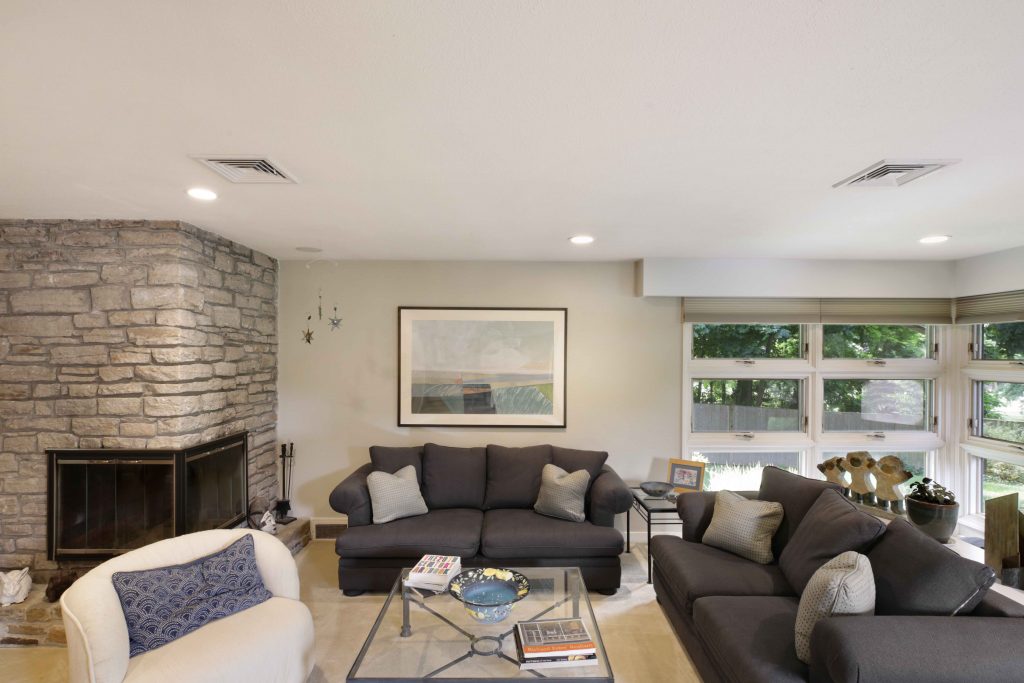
[(1002, 478), (913, 462), (742, 471), (1003, 405), (747, 405), (857, 405), (875, 341), (1002, 341), (747, 341)]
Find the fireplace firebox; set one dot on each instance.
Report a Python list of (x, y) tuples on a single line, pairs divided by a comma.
[(104, 502)]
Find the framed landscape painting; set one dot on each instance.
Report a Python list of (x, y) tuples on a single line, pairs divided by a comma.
[(481, 367)]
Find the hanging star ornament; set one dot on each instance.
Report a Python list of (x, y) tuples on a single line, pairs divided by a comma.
[(335, 321), (307, 334)]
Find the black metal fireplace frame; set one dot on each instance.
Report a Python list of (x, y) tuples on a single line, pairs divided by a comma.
[(177, 457)]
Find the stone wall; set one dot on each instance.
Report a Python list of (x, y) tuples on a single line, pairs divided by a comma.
[(127, 334)]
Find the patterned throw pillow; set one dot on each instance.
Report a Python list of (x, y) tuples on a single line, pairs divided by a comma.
[(562, 495), (394, 496), (843, 585), (743, 527), (161, 605)]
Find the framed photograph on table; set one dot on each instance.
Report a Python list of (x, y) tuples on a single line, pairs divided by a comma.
[(481, 367), (686, 475)]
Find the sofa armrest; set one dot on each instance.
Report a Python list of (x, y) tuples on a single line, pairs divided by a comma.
[(696, 509), (915, 648), (609, 496), (352, 497)]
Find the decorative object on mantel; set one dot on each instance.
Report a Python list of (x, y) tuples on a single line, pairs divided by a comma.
[(14, 586), (481, 367), (861, 466), (284, 505), (933, 509), (1004, 538), (889, 474), (656, 489), (834, 472), (59, 583)]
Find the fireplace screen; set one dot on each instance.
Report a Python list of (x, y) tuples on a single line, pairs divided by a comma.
[(104, 502)]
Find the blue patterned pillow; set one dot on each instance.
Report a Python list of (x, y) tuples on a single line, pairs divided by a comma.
[(163, 604)]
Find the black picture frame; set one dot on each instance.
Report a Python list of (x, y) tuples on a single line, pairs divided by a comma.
[(557, 420)]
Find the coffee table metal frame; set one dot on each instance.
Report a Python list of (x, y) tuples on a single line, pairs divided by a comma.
[(478, 646), (647, 507)]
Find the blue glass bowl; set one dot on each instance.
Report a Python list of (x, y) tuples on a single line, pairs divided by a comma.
[(489, 594)]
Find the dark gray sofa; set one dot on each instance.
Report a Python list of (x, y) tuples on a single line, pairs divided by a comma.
[(736, 618), (480, 503)]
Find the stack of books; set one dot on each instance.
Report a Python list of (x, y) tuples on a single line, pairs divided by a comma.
[(553, 643), (434, 572)]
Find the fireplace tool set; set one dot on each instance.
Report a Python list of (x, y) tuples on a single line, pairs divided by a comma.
[(283, 504)]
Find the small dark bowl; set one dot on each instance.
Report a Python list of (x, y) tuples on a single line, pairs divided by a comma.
[(658, 489)]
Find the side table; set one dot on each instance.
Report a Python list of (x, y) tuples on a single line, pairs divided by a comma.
[(647, 507)]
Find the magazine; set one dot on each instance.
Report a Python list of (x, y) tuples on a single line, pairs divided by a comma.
[(434, 572), (536, 663), (554, 638)]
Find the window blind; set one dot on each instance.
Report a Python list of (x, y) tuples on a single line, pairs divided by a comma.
[(810, 310), (1002, 307)]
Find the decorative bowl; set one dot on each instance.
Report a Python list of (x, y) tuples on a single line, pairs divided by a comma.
[(658, 489), (488, 594)]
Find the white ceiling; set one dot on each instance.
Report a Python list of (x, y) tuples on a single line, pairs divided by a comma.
[(480, 129)]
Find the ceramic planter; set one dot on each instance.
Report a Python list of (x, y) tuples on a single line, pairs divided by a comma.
[(938, 521)]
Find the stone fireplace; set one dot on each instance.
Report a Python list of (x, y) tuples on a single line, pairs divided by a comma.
[(141, 335)]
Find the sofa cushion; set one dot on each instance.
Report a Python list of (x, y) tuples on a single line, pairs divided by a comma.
[(695, 570), (165, 603), (744, 527), (750, 639), (562, 493), (512, 534), (571, 460), (797, 494), (831, 527), (454, 477), (391, 459), (843, 585), (915, 574), (513, 475), (439, 532), (395, 496)]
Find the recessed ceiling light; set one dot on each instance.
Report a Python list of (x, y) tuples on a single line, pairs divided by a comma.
[(309, 250), (934, 239), (581, 239), (202, 193)]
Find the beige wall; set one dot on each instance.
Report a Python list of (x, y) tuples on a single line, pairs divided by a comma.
[(338, 396)]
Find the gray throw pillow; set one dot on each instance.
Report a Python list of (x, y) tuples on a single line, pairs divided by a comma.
[(832, 526), (843, 585), (394, 496), (562, 495), (917, 575), (743, 527)]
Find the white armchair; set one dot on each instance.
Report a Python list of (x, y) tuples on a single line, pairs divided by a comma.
[(271, 642)]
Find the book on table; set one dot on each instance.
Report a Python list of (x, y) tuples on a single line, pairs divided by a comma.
[(540, 662), (434, 572)]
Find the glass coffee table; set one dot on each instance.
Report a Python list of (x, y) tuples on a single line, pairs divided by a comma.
[(426, 636)]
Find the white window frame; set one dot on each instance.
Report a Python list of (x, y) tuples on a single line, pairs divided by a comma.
[(812, 370), (976, 448)]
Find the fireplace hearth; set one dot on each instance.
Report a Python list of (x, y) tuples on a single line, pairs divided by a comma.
[(103, 502)]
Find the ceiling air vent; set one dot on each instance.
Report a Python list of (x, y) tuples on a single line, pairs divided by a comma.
[(246, 169), (893, 173)]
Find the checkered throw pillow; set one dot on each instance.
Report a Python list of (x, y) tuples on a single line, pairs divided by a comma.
[(843, 585), (743, 527)]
